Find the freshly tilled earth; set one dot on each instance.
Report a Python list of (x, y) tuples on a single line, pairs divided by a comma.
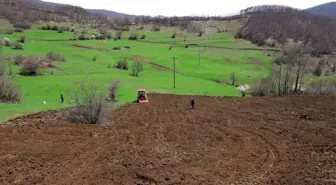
[(272, 140)]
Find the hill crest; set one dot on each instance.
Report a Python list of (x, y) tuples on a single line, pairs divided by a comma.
[(327, 9)]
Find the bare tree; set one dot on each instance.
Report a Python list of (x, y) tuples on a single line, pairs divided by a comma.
[(112, 91), (196, 27), (9, 92), (156, 27), (89, 105), (233, 78), (321, 87), (119, 34), (137, 68), (30, 67)]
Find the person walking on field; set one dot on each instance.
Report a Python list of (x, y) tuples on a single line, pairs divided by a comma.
[(62, 98)]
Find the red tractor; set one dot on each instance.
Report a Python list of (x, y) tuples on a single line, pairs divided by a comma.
[(142, 96)]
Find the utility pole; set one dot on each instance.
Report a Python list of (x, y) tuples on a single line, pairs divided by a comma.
[(174, 58)]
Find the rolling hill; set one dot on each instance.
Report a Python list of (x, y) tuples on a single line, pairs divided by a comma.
[(34, 11), (270, 24), (111, 13), (327, 9), (93, 11)]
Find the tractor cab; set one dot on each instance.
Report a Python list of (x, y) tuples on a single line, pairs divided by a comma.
[(142, 96)]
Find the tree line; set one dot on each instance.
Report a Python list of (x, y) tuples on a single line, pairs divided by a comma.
[(29, 11), (281, 23)]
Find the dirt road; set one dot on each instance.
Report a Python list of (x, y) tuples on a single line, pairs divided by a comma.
[(287, 140)]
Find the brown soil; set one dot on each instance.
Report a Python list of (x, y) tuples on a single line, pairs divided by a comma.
[(47, 65), (228, 60), (255, 61), (159, 68), (272, 140), (140, 58)]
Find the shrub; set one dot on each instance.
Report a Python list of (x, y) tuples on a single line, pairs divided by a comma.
[(7, 42), (84, 31), (72, 29), (89, 105), (19, 59), (55, 27), (17, 45), (118, 34), (173, 36), (23, 25), (18, 30), (318, 70), (53, 56), (122, 64), (133, 36), (109, 35), (127, 47), (116, 48), (9, 92), (2, 70), (9, 32), (60, 30), (260, 88), (94, 58), (45, 27), (81, 37), (22, 39), (155, 27), (143, 36), (137, 68), (112, 91), (217, 80), (321, 88), (30, 67)]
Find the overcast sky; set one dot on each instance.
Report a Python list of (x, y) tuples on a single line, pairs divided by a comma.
[(183, 7)]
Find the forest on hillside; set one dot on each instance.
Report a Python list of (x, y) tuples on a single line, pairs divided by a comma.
[(268, 23), (31, 11)]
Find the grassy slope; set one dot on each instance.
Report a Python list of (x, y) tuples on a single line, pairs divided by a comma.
[(191, 79)]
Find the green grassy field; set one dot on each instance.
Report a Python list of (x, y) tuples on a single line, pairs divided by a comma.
[(193, 77)]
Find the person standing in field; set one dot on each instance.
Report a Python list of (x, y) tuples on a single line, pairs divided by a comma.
[(192, 102), (62, 98)]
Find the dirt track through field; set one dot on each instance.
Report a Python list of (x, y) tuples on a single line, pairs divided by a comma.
[(287, 140)]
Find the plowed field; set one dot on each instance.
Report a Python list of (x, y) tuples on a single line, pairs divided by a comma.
[(286, 140)]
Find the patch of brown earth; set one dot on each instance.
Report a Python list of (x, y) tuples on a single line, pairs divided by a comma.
[(228, 60), (138, 58), (264, 141), (255, 60)]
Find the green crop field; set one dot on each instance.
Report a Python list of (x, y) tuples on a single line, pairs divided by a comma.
[(197, 68)]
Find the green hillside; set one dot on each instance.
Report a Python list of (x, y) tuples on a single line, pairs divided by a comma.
[(219, 55)]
